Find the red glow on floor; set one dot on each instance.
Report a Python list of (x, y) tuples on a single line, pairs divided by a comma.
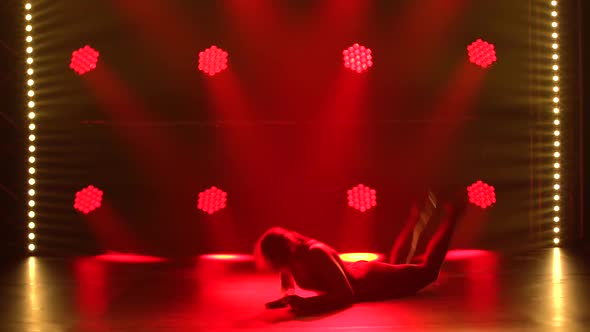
[(360, 256), (481, 194), (212, 200), (228, 257), (482, 53), (357, 58), (362, 198), (88, 199), (84, 60), (464, 254), (128, 258), (212, 60)]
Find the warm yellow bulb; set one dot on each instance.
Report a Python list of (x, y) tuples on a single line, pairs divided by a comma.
[(31, 203), (30, 82), (556, 230), (29, 39), (554, 24), (556, 208), (554, 13), (555, 78), (31, 104), (32, 138), (553, 3), (556, 198), (32, 160), (556, 110), (31, 247), (556, 133), (31, 170), (556, 165), (31, 236), (554, 46), (556, 143), (28, 6), (555, 67), (29, 60), (556, 219), (31, 93), (555, 89), (32, 126), (28, 17), (31, 192), (31, 148), (31, 214), (31, 225), (556, 154), (556, 176), (31, 115), (556, 122), (556, 100), (554, 35), (32, 181), (29, 50), (28, 28)]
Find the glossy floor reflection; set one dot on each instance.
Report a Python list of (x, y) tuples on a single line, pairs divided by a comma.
[(477, 291)]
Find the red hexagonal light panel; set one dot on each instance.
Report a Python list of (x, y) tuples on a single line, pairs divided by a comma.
[(362, 198), (212, 60), (88, 199), (482, 53), (84, 60), (212, 200), (481, 194), (357, 58)]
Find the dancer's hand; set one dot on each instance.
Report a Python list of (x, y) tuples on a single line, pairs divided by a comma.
[(277, 304), (294, 301)]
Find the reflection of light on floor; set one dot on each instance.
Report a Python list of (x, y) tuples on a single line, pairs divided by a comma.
[(33, 294), (557, 289), (228, 257), (360, 256), (462, 254), (128, 258)]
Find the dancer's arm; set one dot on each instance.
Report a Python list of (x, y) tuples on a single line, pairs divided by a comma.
[(287, 289), (338, 291), (287, 283)]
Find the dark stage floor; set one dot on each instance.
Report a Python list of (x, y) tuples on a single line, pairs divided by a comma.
[(477, 291)]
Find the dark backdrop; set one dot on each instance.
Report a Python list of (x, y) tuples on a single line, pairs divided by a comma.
[(286, 130)]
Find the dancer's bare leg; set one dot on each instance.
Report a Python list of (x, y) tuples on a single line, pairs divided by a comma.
[(408, 239)]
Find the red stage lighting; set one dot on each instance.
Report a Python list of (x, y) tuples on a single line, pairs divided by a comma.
[(212, 60), (84, 60), (481, 53), (358, 58), (88, 199), (212, 200), (481, 194), (362, 198)]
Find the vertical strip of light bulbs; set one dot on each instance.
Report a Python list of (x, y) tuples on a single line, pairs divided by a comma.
[(31, 127), (556, 123)]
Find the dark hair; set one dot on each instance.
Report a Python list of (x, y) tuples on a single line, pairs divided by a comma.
[(275, 248)]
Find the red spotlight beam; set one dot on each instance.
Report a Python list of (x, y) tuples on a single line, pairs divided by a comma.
[(424, 27), (159, 154), (450, 113), (110, 230)]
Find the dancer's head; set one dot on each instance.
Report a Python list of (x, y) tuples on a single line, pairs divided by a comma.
[(274, 250)]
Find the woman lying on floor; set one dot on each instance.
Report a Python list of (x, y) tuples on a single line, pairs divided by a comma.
[(315, 266)]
